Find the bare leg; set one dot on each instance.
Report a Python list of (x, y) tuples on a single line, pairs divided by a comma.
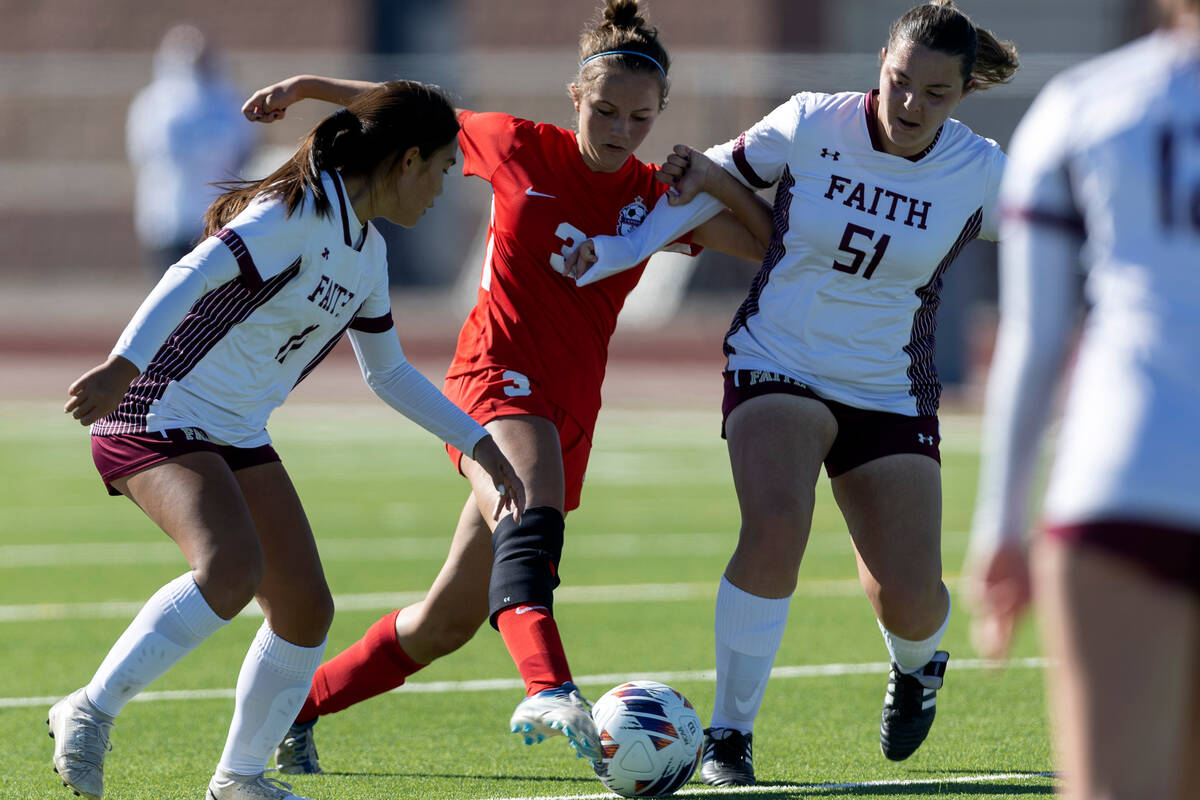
[(893, 508), (457, 601), (293, 593), (1125, 686), (776, 445)]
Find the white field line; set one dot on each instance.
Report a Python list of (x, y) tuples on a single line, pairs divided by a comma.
[(816, 788), (375, 601), (605, 680), (394, 548)]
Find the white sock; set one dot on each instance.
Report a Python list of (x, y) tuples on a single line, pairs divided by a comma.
[(910, 656), (173, 622), (748, 632), (271, 689)]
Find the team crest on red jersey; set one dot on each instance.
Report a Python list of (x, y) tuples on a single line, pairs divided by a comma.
[(631, 216)]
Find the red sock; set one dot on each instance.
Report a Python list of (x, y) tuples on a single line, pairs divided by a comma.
[(373, 665), (531, 636)]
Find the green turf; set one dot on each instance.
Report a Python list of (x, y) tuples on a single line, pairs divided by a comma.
[(658, 512)]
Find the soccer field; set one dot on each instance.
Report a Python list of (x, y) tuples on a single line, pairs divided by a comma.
[(640, 569)]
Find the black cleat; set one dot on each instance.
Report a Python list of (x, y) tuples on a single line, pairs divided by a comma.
[(728, 759), (909, 707)]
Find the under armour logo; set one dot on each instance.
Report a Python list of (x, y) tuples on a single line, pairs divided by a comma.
[(325, 254), (923, 439), (827, 153)]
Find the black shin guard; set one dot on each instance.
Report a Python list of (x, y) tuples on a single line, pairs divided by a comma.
[(525, 560)]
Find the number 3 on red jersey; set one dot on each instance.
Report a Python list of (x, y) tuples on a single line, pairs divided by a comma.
[(571, 237)]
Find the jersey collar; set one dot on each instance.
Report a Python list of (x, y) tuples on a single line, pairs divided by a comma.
[(349, 218)]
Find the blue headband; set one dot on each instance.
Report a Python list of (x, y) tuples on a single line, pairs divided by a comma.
[(626, 53)]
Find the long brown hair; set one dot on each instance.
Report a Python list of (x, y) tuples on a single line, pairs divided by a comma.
[(364, 139), (621, 32), (940, 26)]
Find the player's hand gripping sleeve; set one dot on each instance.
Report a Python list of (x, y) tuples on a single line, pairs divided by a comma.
[(399, 384)]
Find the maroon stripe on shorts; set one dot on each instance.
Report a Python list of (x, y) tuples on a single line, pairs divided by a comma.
[(1170, 553)]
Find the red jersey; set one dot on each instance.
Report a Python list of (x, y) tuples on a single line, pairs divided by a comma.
[(529, 317)]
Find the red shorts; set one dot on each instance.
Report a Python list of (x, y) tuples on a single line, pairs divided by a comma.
[(490, 393), (1172, 554), (862, 435), (123, 454)]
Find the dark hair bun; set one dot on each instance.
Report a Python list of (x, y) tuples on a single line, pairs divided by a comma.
[(623, 14)]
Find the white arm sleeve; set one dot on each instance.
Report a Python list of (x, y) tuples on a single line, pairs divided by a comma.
[(1039, 302), (164, 308), (399, 384), (663, 225)]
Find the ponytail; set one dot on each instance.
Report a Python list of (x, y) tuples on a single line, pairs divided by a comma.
[(363, 139)]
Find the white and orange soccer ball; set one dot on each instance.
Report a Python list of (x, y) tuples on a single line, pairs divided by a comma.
[(650, 738)]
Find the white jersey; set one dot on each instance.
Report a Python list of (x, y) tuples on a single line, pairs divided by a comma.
[(238, 322), (1108, 157), (847, 296)]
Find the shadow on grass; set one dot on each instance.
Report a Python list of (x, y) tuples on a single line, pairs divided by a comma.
[(460, 776), (984, 787)]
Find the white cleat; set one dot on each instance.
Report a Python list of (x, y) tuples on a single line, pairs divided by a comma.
[(561, 710), (80, 732), (227, 786)]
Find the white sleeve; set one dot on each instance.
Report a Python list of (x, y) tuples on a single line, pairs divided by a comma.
[(664, 224), (208, 266), (990, 228), (399, 384), (1040, 297), (756, 158)]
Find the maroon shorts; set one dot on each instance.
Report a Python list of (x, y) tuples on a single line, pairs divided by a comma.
[(862, 435), (489, 394), (123, 454), (1171, 554)]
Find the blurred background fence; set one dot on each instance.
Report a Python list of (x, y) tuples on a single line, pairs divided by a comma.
[(70, 68)]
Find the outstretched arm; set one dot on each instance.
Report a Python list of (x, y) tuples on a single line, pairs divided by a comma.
[(270, 103), (395, 381)]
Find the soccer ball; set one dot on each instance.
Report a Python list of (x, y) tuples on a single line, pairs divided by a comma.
[(650, 739)]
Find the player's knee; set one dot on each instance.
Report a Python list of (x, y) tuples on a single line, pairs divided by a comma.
[(777, 516), (318, 609), (229, 578), (525, 560), (453, 633), (775, 544), (908, 606)]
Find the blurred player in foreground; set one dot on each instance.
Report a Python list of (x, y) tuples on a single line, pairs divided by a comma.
[(529, 365), (179, 413), (1104, 175), (830, 357)]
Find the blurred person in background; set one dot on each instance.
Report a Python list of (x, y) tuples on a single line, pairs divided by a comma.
[(529, 366), (184, 132), (1104, 181), (830, 357), (180, 407)]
